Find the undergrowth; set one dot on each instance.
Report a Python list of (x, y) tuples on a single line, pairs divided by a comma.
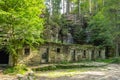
[(67, 65), (19, 69), (110, 60), (58, 66)]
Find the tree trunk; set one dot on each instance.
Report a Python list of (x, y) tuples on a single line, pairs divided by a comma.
[(68, 7), (63, 2), (51, 7), (90, 6), (117, 50), (15, 60), (107, 52), (103, 2), (79, 8)]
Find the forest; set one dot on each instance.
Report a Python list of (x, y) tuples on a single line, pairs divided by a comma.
[(93, 22), (64, 22), (30, 22)]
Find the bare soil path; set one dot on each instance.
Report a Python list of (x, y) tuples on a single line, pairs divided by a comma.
[(109, 72)]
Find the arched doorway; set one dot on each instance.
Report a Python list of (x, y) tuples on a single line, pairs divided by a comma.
[(4, 56)]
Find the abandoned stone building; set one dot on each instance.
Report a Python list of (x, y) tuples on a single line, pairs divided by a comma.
[(55, 53)]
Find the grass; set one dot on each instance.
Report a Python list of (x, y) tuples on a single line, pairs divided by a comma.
[(82, 64), (60, 73), (69, 69), (19, 69), (110, 60), (68, 66)]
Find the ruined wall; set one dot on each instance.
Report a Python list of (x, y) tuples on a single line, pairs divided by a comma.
[(29, 55), (56, 53), (86, 52), (71, 53)]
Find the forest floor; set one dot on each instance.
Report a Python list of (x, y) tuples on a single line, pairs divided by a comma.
[(5, 77), (107, 72)]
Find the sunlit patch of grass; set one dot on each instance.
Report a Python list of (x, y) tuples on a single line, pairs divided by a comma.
[(68, 66), (60, 73), (19, 69), (59, 70)]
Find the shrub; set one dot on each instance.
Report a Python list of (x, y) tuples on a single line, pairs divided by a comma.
[(21, 69)]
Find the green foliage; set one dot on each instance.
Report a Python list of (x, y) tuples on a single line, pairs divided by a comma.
[(20, 20), (112, 11), (56, 7), (79, 35), (19, 69), (101, 32), (110, 60), (65, 66), (64, 62), (105, 22), (47, 68)]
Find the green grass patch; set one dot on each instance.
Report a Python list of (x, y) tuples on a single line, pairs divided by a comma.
[(46, 68), (82, 61), (19, 69), (60, 73), (62, 66), (110, 60)]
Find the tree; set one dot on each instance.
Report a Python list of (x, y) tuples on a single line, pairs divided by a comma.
[(104, 22), (100, 30), (100, 18), (113, 12), (21, 21)]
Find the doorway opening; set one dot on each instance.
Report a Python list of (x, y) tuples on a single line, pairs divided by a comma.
[(4, 56)]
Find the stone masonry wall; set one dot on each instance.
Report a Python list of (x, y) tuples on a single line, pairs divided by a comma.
[(57, 53)]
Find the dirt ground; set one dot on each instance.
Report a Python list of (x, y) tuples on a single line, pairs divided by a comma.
[(109, 72)]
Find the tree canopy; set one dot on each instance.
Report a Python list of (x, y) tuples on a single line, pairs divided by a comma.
[(20, 21)]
